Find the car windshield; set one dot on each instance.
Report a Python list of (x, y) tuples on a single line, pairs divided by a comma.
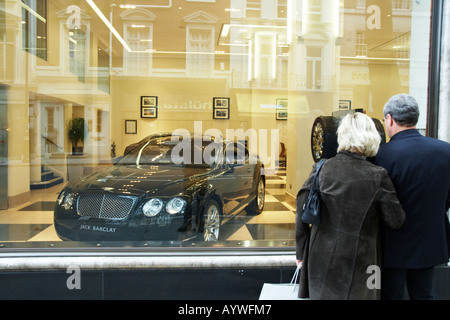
[(165, 150)]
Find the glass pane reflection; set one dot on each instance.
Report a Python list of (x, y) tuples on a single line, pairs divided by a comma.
[(255, 75)]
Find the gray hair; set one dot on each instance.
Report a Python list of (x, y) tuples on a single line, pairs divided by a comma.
[(403, 108)]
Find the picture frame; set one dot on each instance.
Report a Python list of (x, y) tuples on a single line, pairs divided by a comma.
[(149, 112), (345, 104), (220, 102), (282, 104), (281, 109), (282, 114), (221, 113), (149, 101), (221, 108), (130, 126)]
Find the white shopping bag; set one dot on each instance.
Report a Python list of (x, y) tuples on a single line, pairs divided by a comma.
[(281, 291)]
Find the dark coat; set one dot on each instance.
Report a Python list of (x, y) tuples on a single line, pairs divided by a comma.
[(420, 171), (356, 196)]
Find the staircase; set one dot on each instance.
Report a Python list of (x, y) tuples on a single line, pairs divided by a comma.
[(48, 179)]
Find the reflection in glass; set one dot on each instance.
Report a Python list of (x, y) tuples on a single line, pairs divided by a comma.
[(96, 59)]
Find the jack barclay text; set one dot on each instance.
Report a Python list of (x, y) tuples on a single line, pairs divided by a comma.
[(95, 228)]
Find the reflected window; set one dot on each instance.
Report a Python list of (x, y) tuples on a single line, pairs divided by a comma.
[(34, 26), (401, 4), (200, 61), (138, 34), (282, 9), (77, 53), (313, 68), (360, 44), (314, 10), (253, 8)]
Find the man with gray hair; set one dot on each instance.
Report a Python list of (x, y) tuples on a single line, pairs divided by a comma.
[(420, 171)]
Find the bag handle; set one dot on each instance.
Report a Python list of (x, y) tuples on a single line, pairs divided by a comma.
[(294, 278), (315, 184)]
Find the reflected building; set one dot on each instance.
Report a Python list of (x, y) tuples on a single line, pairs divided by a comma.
[(281, 63)]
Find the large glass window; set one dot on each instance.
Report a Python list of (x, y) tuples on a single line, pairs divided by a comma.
[(186, 123)]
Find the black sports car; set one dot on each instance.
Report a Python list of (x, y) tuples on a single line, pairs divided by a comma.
[(166, 187)]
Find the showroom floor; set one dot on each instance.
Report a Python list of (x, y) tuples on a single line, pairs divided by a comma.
[(33, 221)]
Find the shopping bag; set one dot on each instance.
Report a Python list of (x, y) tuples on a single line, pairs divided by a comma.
[(281, 291)]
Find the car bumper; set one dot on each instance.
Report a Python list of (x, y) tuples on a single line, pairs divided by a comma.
[(98, 230)]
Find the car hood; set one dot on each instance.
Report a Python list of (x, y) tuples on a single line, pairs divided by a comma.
[(132, 180)]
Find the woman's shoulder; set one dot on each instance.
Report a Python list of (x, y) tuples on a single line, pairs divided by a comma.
[(343, 162)]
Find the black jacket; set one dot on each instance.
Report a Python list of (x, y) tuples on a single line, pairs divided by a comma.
[(420, 171)]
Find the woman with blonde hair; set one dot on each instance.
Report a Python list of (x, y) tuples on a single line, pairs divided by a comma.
[(340, 256)]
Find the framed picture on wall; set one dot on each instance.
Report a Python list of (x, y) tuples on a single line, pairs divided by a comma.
[(345, 104), (221, 102), (221, 113), (221, 108), (282, 103), (131, 126), (282, 114), (281, 110), (149, 101), (149, 112)]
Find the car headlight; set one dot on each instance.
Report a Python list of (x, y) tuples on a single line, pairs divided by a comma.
[(68, 201), (175, 205), (152, 207), (60, 198)]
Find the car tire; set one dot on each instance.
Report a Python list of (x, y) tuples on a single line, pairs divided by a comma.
[(211, 220), (323, 138), (257, 205)]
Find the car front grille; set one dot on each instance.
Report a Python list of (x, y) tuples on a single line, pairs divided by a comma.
[(105, 206)]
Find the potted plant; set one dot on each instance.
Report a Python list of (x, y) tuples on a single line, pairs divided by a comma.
[(75, 132)]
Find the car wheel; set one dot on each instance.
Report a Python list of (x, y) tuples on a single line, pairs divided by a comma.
[(257, 205), (323, 138), (211, 221)]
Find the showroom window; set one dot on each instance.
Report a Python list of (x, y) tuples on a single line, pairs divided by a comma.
[(186, 123)]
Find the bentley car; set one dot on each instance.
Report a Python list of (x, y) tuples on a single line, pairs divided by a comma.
[(166, 187)]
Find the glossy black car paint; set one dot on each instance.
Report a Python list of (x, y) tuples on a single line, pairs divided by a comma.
[(232, 186)]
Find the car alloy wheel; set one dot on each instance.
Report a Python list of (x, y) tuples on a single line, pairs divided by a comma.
[(260, 195), (323, 138), (317, 141), (211, 221)]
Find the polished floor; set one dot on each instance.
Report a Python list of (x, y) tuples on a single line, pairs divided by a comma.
[(33, 221)]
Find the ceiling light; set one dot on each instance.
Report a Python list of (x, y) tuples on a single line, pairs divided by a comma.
[(108, 24), (34, 13), (127, 6)]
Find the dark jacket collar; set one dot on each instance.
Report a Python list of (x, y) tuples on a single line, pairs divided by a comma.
[(352, 154), (405, 134)]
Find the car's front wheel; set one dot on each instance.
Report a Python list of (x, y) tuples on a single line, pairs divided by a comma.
[(211, 221)]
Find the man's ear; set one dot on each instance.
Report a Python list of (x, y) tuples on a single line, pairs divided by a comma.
[(389, 120)]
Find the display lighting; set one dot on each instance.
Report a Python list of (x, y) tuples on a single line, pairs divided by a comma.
[(108, 24), (34, 13)]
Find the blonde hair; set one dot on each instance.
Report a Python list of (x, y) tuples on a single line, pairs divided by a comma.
[(357, 133)]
